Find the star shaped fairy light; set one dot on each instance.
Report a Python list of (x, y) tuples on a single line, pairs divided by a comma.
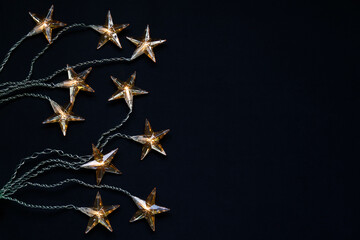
[(150, 139), (101, 163), (76, 82), (145, 45), (109, 31), (147, 209), (45, 25), (98, 214), (62, 115), (126, 90)]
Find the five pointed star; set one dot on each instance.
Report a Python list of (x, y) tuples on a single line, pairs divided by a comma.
[(109, 31), (62, 115), (145, 45), (150, 139), (101, 163), (126, 90), (147, 209), (98, 214), (45, 25), (76, 82)]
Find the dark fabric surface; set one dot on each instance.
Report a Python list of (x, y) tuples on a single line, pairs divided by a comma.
[(262, 99)]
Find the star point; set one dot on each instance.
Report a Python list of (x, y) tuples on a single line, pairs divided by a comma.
[(45, 25), (150, 140), (98, 214), (109, 31), (62, 115), (101, 163), (126, 90), (145, 45), (76, 82), (148, 209)]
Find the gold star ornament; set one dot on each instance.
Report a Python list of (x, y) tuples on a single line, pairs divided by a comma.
[(98, 214), (101, 163), (126, 90), (145, 45), (147, 209), (45, 25), (109, 31), (76, 82), (62, 115), (150, 139)]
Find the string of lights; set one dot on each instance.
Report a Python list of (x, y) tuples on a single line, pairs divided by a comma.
[(98, 161)]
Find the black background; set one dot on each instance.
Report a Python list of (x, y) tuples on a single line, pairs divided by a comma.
[(262, 99)]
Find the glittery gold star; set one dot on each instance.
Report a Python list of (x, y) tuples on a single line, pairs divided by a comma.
[(109, 31), (126, 90), (98, 214), (62, 115), (76, 82), (150, 139), (101, 163), (145, 45), (147, 209), (45, 25)]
